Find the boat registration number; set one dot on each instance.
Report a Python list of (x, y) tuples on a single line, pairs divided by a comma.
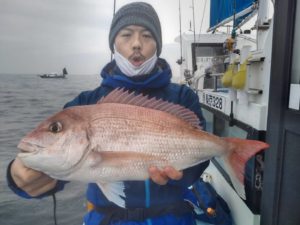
[(214, 101)]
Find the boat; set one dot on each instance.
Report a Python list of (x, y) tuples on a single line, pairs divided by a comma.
[(55, 75), (249, 87)]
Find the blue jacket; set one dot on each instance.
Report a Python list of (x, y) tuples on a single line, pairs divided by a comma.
[(144, 193)]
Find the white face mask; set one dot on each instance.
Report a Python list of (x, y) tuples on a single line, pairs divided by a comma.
[(130, 70)]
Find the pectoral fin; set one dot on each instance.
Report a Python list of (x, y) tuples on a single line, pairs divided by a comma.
[(114, 192)]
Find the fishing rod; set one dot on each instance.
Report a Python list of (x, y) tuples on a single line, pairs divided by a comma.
[(54, 209)]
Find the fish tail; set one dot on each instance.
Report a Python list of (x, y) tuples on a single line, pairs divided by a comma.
[(241, 151)]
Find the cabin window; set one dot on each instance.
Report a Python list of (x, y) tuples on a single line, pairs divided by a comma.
[(220, 126), (203, 54), (209, 50)]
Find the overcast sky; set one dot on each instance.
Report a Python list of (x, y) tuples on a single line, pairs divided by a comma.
[(39, 36)]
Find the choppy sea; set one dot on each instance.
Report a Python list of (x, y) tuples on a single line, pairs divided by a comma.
[(26, 100)]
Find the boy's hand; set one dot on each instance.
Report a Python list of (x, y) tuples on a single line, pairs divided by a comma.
[(162, 176), (31, 181)]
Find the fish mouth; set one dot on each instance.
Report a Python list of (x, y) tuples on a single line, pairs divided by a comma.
[(27, 148)]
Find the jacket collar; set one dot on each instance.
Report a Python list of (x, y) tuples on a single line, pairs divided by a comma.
[(158, 78)]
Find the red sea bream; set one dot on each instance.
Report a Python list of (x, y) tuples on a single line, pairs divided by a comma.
[(121, 136)]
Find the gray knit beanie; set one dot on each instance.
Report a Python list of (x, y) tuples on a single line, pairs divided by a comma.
[(140, 14)]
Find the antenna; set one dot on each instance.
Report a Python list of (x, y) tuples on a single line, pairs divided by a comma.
[(194, 21), (114, 7), (233, 33), (180, 61), (195, 66), (114, 12), (203, 14)]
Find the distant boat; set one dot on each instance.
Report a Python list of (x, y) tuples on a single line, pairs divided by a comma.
[(55, 75)]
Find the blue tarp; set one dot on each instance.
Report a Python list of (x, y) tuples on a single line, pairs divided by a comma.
[(223, 9)]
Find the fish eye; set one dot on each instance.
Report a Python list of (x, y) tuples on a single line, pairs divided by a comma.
[(55, 127)]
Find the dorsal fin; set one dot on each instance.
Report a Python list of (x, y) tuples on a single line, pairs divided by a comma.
[(122, 96)]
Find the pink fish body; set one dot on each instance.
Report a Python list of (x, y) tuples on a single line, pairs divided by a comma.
[(123, 135)]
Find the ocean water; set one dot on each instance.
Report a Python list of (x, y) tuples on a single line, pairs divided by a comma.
[(26, 100)]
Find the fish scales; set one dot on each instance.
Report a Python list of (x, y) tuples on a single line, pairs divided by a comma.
[(129, 128)]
